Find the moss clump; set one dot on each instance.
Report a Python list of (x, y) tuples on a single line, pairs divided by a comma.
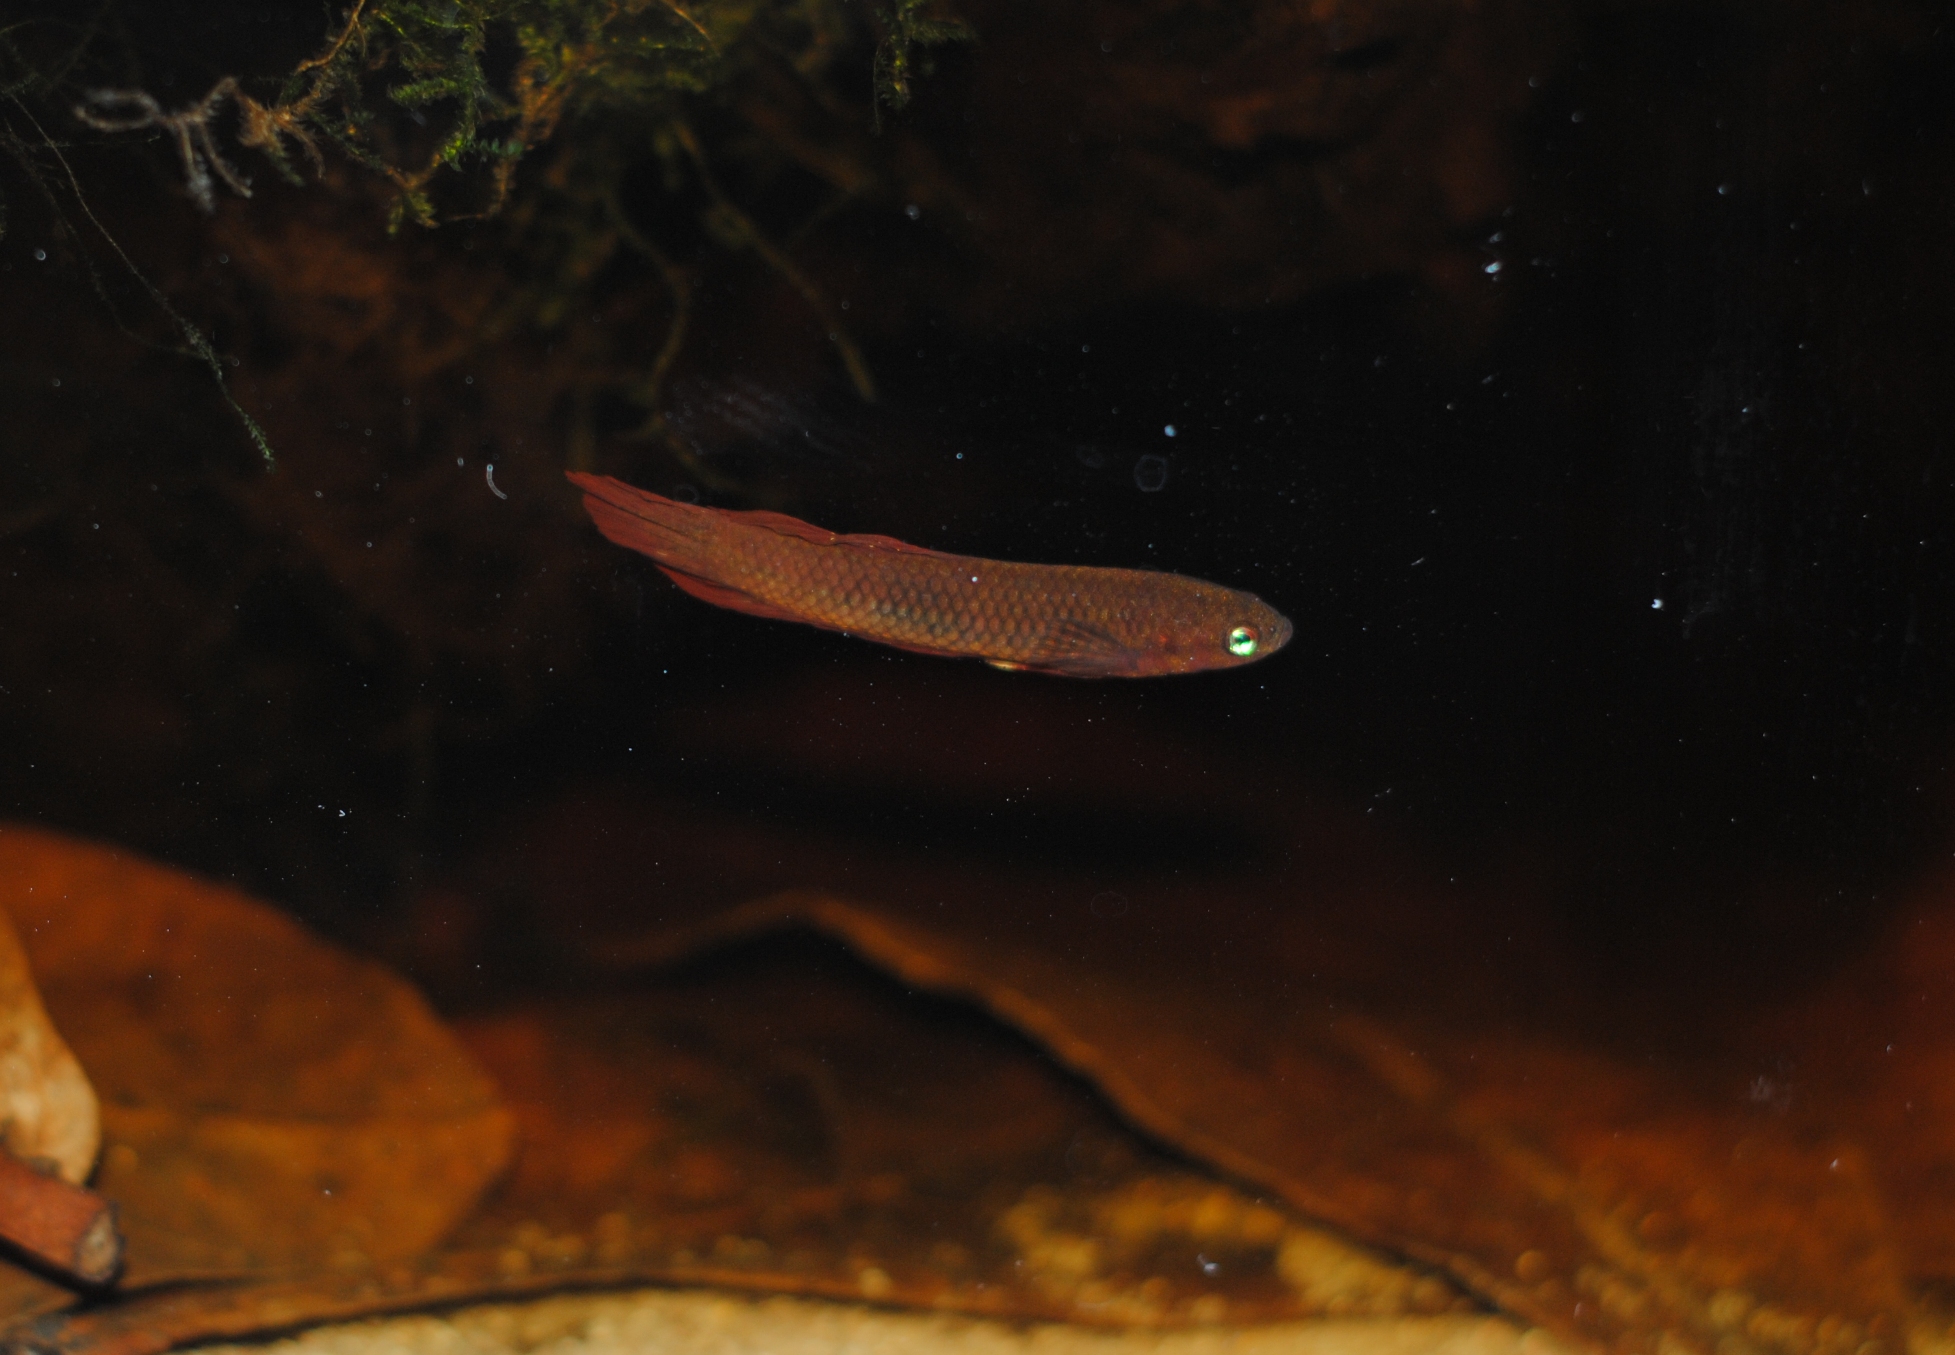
[(448, 100), (484, 82)]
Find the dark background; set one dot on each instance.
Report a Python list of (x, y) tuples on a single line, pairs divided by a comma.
[(1708, 371)]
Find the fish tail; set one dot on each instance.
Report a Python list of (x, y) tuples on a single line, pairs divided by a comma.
[(685, 541), (679, 536)]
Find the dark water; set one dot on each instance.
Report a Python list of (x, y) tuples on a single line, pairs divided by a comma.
[(1622, 570)]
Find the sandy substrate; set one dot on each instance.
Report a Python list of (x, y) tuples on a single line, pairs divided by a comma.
[(690, 1323)]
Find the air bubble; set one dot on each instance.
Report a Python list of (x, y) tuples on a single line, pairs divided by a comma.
[(1108, 904)]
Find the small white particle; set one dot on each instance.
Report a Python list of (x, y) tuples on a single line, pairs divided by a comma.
[(1169, 430), (1656, 604)]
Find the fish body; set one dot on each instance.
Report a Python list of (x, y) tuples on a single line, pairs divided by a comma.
[(1076, 620)]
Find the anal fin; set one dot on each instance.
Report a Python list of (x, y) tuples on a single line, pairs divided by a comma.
[(730, 598)]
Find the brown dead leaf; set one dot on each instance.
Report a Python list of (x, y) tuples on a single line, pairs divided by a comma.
[(773, 1129), (269, 1102), (1527, 1170), (783, 1119), (1873, 1054)]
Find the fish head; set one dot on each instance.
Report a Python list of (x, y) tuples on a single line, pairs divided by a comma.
[(1225, 629)]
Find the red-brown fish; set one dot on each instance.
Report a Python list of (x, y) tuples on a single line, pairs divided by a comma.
[(1071, 619)]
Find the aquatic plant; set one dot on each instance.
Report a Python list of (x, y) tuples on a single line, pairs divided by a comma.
[(445, 101)]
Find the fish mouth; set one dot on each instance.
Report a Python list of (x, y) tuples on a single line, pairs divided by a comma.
[(1279, 634)]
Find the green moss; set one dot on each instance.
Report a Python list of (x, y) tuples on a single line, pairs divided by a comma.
[(446, 100), (638, 60)]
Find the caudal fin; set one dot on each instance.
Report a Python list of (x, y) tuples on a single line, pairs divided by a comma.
[(680, 537), (677, 535)]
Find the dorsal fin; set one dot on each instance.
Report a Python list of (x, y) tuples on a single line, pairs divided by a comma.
[(820, 536)]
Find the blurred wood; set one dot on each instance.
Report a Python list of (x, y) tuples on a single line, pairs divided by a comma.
[(63, 1227)]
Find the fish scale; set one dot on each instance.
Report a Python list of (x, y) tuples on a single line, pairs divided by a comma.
[(1076, 620)]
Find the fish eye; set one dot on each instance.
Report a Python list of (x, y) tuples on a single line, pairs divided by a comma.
[(1242, 642)]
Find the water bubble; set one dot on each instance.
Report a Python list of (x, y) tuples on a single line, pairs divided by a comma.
[(685, 493), (1090, 456), (40, 256), (1108, 904), (1151, 474), (913, 212)]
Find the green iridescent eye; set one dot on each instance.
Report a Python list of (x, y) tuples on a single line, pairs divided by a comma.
[(1242, 642)]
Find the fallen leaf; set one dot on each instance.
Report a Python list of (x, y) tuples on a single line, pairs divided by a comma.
[(270, 1102), (783, 1119)]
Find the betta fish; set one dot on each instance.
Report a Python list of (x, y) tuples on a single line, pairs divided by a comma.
[(1075, 620)]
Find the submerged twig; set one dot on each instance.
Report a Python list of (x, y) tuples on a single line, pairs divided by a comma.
[(263, 128), (739, 228), (192, 336), (326, 57), (188, 127), (69, 1229), (676, 282)]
